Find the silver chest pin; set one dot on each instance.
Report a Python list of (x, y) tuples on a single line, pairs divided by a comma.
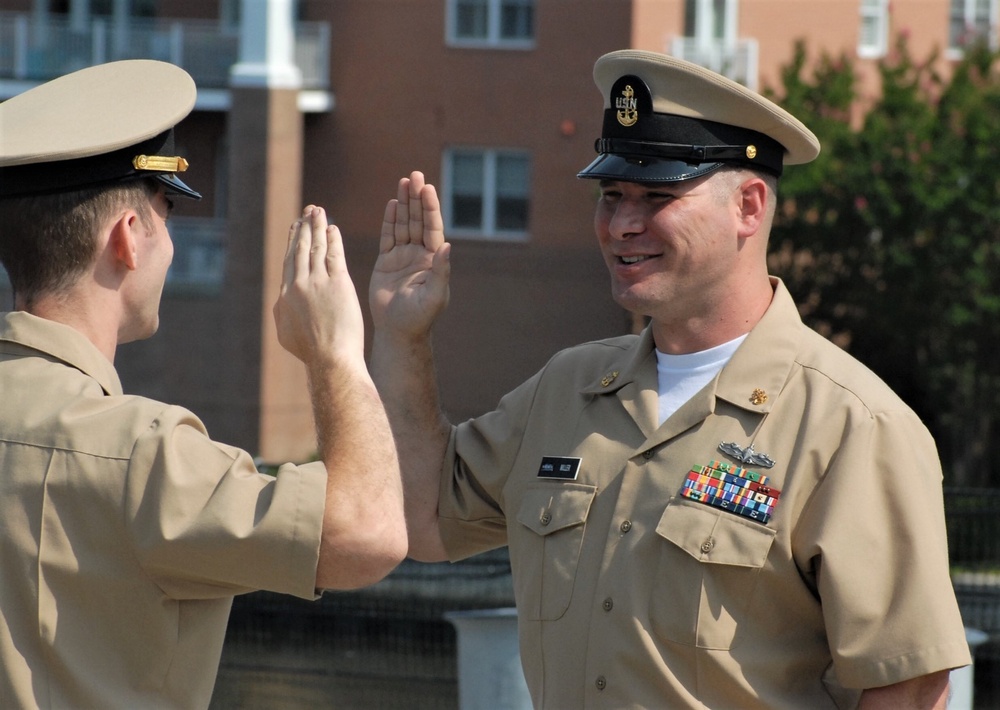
[(746, 455)]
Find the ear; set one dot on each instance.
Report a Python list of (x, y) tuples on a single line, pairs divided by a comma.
[(122, 239), (752, 196)]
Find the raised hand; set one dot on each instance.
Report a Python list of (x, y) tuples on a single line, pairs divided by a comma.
[(317, 314), (409, 285)]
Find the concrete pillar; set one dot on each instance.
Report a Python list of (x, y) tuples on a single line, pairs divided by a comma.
[(265, 187), (79, 15), (267, 46), (963, 679), (489, 660)]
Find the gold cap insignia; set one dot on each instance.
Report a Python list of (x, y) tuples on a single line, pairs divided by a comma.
[(758, 396), (609, 378), (628, 107), (161, 163), (751, 151)]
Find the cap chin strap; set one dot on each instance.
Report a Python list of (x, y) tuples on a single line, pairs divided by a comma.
[(746, 154)]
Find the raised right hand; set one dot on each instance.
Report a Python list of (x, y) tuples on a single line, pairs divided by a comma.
[(409, 285)]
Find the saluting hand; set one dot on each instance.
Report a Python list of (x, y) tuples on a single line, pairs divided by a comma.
[(317, 314), (409, 285)]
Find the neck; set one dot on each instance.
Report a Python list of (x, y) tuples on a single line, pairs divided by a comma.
[(94, 320), (694, 333)]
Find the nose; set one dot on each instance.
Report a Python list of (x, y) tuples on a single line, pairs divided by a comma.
[(627, 219)]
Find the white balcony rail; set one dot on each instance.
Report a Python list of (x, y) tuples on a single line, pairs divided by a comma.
[(736, 60), (34, 48)]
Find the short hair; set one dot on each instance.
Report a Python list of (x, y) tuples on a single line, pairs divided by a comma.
[(736, 174), (47, 241)]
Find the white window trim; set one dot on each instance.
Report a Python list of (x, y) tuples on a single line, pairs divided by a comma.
[(489, 232), (876, 11), (493, 40), (705, 22), (956, 53)]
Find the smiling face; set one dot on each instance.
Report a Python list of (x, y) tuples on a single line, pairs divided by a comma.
[(677, 252), (664, 244)]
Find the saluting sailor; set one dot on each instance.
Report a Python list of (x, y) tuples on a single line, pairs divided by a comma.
[(125, 531), (753, 520)]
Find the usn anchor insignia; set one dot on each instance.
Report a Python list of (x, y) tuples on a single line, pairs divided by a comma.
[(628, 107), (746, 455)]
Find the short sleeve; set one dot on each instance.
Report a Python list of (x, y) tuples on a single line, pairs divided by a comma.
[(875, 534), (206, 523), (478, 461)]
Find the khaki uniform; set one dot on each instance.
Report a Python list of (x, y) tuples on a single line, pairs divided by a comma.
[(629, 595), (125, 532)]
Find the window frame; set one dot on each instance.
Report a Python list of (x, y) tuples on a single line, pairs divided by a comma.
[(488, 231), (877, 13), (705, 21), (493, 39), (957, 45)]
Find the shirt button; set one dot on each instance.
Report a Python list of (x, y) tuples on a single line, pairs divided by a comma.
[(626, 526), (707, 546), (601, 683), (608, 604), (545, 519), (647, 455)]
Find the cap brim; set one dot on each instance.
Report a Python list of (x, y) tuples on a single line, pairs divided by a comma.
[(608, 166), (175, 186)]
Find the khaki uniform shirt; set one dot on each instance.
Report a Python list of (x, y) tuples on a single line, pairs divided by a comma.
[(632, 596), (125, 532)]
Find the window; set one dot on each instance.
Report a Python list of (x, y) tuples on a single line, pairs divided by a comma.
[(491, 23), (971, 21), (486, 193), (873, 38), (710, 20), (711, 40)]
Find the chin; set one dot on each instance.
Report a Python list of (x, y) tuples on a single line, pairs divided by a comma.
[(633, 302), (139, 333)]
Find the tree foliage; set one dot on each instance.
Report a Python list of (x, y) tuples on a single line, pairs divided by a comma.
[(890, 240)]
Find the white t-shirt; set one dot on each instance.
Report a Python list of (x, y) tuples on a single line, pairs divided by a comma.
[(681, 376)]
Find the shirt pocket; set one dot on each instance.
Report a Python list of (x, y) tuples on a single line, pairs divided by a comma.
[(708, 569), (545, 547)]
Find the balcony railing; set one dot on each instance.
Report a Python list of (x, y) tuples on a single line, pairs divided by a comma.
[(735, 60), (38, 48)]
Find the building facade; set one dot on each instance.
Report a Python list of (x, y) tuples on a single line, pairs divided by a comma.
[(492, 99)]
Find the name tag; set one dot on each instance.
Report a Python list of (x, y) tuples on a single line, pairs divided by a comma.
[(564, 467)]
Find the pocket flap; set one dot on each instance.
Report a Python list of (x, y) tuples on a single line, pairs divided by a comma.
[(553, 507), (715, 537)]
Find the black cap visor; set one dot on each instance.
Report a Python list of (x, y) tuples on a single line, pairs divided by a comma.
[(173, 185), (609, 166)]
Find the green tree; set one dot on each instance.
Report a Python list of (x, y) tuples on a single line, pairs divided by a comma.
[(890, 240)]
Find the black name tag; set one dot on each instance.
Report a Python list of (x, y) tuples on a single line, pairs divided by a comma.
[(564, 467)]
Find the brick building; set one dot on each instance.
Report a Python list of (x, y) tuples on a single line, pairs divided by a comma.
[(492, 99)]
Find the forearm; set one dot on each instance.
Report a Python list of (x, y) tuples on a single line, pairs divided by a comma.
[(364, 536), (927, 692), (403, 371)]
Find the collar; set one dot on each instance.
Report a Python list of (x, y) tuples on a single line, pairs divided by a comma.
[(758, 370), (751, 380), (61, 342)]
